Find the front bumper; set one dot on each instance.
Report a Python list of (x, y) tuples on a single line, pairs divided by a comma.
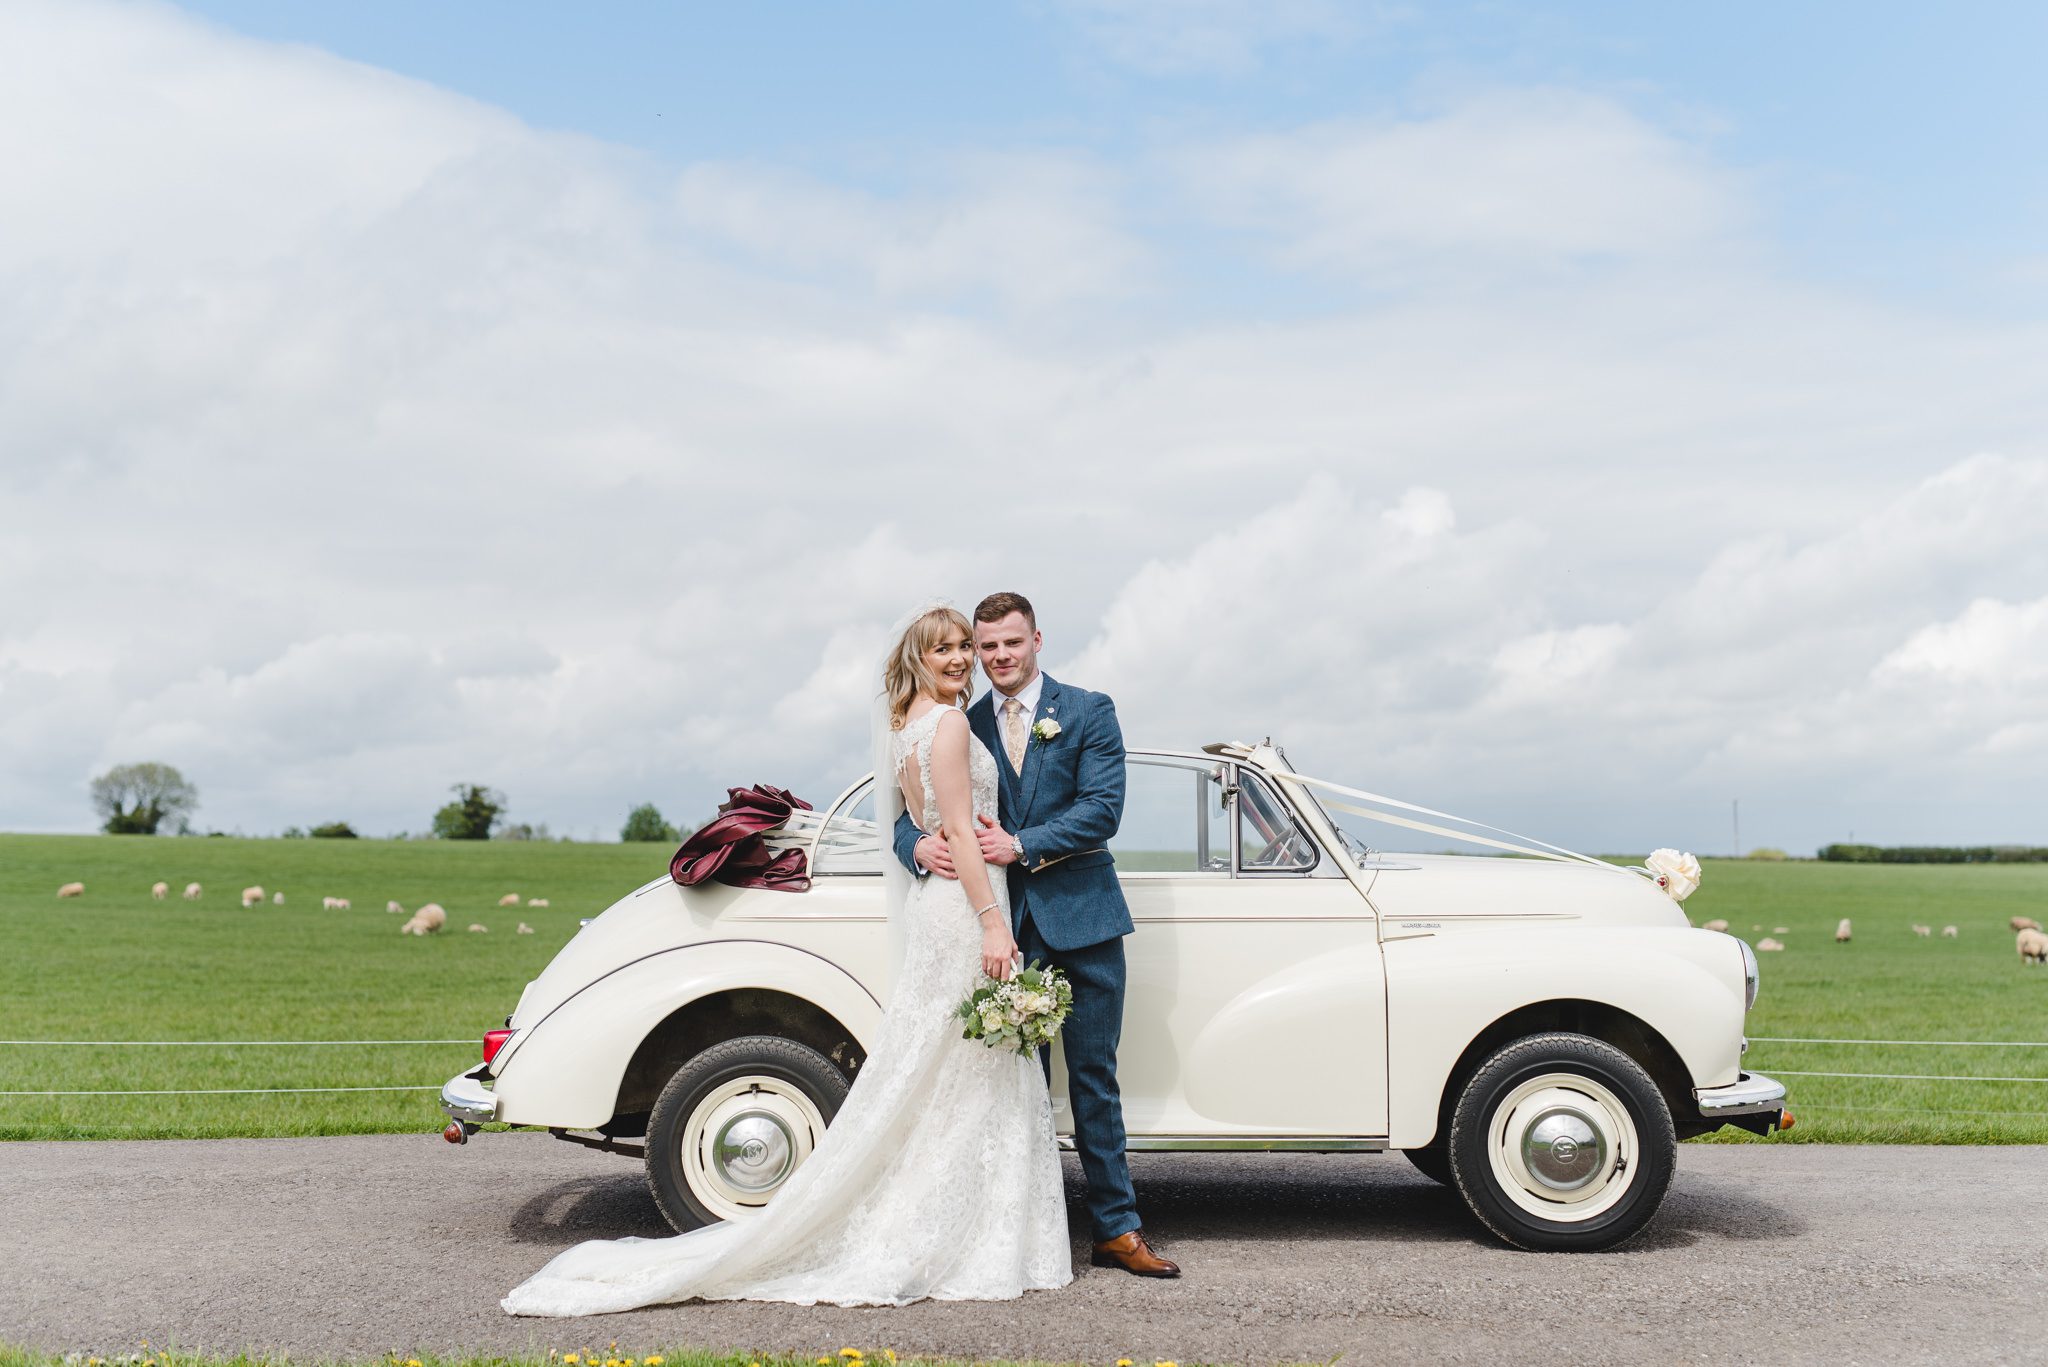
[(466, 1099), (1752, 1101)]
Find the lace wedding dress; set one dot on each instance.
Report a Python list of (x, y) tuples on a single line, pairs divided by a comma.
[(938, 1177)]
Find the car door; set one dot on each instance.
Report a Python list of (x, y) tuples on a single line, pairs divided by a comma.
[(1256, 998)]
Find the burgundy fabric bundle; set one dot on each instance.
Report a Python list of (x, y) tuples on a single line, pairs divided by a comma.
[(731, 849)]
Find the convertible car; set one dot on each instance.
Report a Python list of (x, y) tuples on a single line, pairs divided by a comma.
[(1536, 1032)]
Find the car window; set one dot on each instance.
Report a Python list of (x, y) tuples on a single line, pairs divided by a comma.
[(1269, 839), (1174, 818), (848, 843)]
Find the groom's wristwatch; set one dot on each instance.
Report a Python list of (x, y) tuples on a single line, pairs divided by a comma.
[(1017, 848)]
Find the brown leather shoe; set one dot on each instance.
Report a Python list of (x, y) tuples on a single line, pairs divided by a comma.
[(1133, 1253)]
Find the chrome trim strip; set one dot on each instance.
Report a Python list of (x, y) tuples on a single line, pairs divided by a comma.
[(1749, 1094), (1244, 1143), (464, 1097)]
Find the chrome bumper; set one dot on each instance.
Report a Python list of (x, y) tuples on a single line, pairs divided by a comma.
[(1750, 1094), (465, 1098)]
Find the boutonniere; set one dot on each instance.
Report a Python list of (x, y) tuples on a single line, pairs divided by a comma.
[(1045, 729)]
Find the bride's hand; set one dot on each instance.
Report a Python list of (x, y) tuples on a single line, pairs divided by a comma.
[(998, 952)]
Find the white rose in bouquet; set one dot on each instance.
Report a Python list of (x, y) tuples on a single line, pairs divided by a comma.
[(1677, 873)]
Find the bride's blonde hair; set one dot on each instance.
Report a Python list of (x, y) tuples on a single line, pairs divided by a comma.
[(906, 674)]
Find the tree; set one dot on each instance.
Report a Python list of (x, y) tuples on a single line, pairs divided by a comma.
[(135, 799), (644, 823), (470, 817), (333, 830)]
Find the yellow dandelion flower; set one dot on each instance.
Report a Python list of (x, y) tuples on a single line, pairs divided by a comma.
[(572, 1357), (654, 1360), (1123, 1362), (889, 1353), (851, 1354), (824, 1362)]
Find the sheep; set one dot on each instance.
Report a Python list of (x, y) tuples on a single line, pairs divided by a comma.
[(1923, 931), (476, 929), (525, 929), (510, 899), (191, 892), (277, 899), (1778, 930), (1948, 932), (329, 903), (394, 909), (159, 891), (1842, 931), (72, 890), (251, 896), (1719, 925), (341, 904), (2025, 923), (1767, 944), (2033, 945), (427, 920), (536, 901)]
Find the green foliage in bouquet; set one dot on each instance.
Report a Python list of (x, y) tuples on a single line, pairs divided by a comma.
[(1023, 1014)]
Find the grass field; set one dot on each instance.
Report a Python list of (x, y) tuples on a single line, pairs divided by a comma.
[(115, 965), (141, 1355)]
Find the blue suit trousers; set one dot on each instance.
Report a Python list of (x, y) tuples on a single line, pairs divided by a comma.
[(1089, 1040)]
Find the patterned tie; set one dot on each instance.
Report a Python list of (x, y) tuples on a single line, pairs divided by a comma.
[(1013, 733)]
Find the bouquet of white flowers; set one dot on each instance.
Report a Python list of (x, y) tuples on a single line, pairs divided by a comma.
[(1021, 1014)]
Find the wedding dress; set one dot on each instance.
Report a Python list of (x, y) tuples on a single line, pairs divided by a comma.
[(938, 1178)]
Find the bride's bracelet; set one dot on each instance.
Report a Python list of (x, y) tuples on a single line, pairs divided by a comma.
[(992, 906)]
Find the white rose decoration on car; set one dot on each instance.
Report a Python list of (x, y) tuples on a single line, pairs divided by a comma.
[(1677, 873), (1045, 729)]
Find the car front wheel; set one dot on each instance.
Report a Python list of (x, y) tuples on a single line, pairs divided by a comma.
[(734, 1123), (1562, 1143)]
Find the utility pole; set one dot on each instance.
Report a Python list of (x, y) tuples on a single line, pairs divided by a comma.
[(1738, 827)]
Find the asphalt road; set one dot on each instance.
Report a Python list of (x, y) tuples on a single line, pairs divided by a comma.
[(361, 1246)]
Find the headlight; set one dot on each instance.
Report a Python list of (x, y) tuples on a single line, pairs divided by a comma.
[(1749, 975)]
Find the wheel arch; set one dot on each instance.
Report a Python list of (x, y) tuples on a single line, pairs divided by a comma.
[(712, 1019)]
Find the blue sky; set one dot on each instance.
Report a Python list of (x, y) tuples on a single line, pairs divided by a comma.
[(1467, 395), (1898, 144)]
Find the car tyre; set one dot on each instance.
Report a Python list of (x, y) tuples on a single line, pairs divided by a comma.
[(733, 1123), (1562, 1143)]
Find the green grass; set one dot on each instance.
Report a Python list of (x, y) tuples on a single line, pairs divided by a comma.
[(115, 965)]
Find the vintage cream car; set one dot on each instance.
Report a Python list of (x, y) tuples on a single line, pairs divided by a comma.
[(1536, 1034)]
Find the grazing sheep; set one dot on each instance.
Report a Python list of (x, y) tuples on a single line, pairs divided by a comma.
[(427, 920), (1948, 932), (72, 890), (394, 908), (341, 904), (525, 929), (329, 903), (1778, 930), (159, 891), (510, 899), (2033, 945), (251, 896), (1923, 931), (1721, 926), (277, 899), (536, 901), (191, 892), (1767, 944), (2025, 923), (476, 929), (1842, 931)]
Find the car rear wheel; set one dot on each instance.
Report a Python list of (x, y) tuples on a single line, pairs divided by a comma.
[(1562, 1143), (734, 1123)]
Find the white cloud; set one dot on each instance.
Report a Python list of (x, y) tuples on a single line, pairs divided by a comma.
[(358, 439), (1503, 181)]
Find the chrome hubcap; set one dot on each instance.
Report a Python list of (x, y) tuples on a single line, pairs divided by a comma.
[(743, 1140), (1562, 1149), (753, 1151)]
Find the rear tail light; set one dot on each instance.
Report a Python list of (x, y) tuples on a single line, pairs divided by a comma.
[(494, 1040)]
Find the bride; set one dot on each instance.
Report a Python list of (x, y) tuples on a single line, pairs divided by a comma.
[(938, 1177)]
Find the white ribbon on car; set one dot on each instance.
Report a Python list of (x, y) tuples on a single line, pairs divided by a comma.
[(1517, 844)]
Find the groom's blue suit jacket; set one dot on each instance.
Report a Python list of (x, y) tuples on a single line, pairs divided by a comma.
[(1064, 807)]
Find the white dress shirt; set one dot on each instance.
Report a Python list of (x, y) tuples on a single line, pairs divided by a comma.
[(1028, 695)]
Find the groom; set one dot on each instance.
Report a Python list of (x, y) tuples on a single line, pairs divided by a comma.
[(1060, 760)]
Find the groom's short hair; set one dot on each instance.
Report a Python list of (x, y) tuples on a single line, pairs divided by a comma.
[(997, 606)]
